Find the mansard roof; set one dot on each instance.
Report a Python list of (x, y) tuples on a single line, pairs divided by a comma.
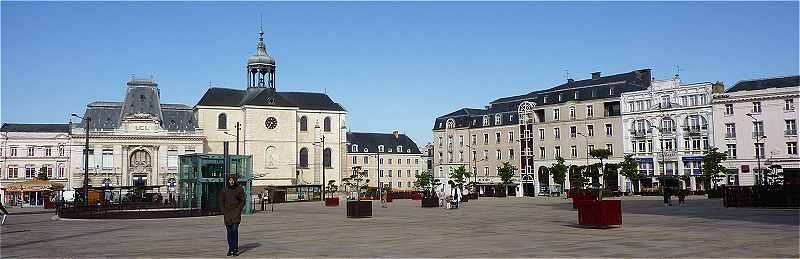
[(602, 87), (765, 83), (35, 127), (371, 141), (106, 115), (268, 97)]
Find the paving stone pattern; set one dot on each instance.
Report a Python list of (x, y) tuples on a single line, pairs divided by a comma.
[(489, 227)]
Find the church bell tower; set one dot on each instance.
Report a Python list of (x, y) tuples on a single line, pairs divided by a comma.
[(261, 67)]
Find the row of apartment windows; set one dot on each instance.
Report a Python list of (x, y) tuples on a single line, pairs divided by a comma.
[(791, 149), (573, 132), (573, 151), (788, 105), (485, 155), (670, 168), (399, 173), (354, 148), (12, 172), (556, 115), (388, 160), (105, 159), (758, 129), (48, 151)]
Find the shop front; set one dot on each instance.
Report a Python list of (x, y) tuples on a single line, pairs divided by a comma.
[(32, 193)]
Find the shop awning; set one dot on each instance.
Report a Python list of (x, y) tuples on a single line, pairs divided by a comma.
[(33, 185)]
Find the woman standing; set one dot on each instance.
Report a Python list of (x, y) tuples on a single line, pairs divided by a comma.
[(231, 202)]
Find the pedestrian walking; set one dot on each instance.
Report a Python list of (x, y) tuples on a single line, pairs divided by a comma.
[(455, 193), (665, 193), (5, 213), (682, 197), (231, 202)]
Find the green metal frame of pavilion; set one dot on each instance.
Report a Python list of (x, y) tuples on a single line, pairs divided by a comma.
[(202, 177)]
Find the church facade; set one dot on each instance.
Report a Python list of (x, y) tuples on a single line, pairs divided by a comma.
[(295, 138)]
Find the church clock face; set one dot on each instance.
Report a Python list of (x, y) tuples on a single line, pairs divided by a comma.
[(271, 123)]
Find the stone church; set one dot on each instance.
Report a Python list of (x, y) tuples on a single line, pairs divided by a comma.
[(295, 138)]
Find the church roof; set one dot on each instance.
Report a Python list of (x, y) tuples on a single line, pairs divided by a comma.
[(267, 97), (35, 127), (371, 141)]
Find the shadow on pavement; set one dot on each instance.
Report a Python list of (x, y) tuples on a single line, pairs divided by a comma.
[(247, 247)]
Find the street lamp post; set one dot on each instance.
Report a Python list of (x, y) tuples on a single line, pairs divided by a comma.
[(238, 127), (759, 136), (322, 183), (85, 159)]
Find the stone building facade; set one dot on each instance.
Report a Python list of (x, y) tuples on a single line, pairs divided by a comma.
[(134, 142), (531, 130), (392, 159), (295, 138), (28, 149), (667, 127), (755, 122)]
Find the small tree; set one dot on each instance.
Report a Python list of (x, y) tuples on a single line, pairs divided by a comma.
[(601, 154), (630, 169), (459, 177), (577, 178), (42, 173), (357, 183), (332, 188), (712, 166), (559, 171), (506, 173)]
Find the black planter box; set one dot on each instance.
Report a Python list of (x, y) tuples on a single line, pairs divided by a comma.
[(359, 209), (431, 202)]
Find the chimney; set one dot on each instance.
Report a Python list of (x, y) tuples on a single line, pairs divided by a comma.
[(396, 134), (595, 75), (717, 87), (645, 77), (570, 80)]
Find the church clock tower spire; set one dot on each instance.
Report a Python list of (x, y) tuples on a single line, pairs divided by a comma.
[(261, 66)]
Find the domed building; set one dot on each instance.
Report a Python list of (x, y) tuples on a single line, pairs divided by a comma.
[(295, 138)]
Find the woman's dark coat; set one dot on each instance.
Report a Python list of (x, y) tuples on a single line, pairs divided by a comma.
[(231, 202)]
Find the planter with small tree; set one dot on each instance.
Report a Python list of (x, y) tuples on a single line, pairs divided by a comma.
[(427, 184), (630, 169), (459, 177), (712, 168), (506, 173), (355, 186), (599, 212), (559, 171), (333, 199)]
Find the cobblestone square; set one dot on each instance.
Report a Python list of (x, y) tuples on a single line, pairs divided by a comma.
[(489, 227)]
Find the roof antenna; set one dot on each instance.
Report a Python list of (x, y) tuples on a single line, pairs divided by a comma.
[(677, 70), (566, 73)]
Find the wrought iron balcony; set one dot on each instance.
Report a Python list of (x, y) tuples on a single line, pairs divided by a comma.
[(695, 129), (730, 134), (792, 132), (640, 133), (667, 130), (758, 134)]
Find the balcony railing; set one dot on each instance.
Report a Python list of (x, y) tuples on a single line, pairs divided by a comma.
[(639, 133), (758, 134), (792, 132), (730, 134), (667, 130), (695, 129)]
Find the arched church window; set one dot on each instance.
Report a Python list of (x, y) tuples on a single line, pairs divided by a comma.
[(304, 158), (326, 158), (303, 123), (327, 124), (222, 121)]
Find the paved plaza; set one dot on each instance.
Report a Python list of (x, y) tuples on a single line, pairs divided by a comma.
[(491, 227)]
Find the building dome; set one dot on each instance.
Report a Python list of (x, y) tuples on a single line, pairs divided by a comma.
[(261, 57)]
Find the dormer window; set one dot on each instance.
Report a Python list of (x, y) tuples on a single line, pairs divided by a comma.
[(576, 95), (611, 91), (399, 149), (544, 99), (485, 120), (366, 150), (355, 148), (560, 97), (408, 150), (380, 148), (498, 119)]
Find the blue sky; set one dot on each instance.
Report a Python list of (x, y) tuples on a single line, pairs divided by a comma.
[(392, 65)]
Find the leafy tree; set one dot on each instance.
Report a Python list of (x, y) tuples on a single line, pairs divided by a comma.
[(601, 154), (712, 165), (459, 177), (577, 178), (332, 188), (506, 173), (559, 171), (357, 183), (427, 184), (630, 169), (42, 173)]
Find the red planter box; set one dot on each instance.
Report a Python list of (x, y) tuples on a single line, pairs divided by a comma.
[(416, 196), (600, 213), (389, 198), (332, 202), (580, 198)]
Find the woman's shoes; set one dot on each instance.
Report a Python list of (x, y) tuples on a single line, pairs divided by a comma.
[(235, 252), (230, 253)]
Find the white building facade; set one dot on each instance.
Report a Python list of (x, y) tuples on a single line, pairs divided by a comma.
[(756, 125), (29, 149), (392, 159), (667, 127), (294, 138)]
